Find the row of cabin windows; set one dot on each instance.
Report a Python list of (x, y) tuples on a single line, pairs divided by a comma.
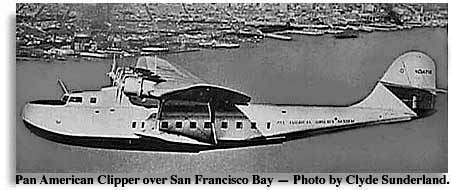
[(135, 124), (78, 99), (207, 125), (193, 125)]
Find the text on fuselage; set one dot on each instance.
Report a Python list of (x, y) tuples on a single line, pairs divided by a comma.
[(315, 121)]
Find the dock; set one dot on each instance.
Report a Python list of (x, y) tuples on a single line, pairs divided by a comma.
[(277, 36)]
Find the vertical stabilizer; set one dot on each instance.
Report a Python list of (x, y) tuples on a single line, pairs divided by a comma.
[(408, 86), (412, 69)]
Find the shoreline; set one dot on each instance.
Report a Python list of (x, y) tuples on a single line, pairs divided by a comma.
[(268, 36)]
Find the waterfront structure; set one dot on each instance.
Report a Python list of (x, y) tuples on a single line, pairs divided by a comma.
[(133, 26)]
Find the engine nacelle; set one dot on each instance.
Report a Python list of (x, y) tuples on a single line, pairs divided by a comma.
[(138, 86)]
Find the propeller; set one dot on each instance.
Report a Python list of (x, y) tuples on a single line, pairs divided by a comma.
[(118, 88), (63, 86), (120, 95), (112, 74), (211, 111), (119, 92)]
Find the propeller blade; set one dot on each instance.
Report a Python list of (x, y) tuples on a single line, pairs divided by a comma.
[(63, 86), (211, 112), (117, 91), (122, 91)]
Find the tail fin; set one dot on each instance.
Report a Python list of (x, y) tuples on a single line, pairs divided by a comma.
[(409, 86)]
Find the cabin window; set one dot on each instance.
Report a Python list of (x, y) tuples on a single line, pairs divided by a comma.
[(178, 125), (207, 125), (192, 125), (239, 125), (268, 125), (253, 125), (224, 125), (76, 99), (143, 125), (133, 125), (93, 100), (164, 125)]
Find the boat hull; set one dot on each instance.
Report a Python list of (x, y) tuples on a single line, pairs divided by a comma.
[(159, 145), (144, 144)]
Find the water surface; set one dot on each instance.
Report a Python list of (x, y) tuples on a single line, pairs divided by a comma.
[(308, 70)]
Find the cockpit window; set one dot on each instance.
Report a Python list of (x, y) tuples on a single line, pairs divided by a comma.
[(76, 99), (65, 98)]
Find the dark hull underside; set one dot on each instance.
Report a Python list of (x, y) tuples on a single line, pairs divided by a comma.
[(154, 144), (142, 144)]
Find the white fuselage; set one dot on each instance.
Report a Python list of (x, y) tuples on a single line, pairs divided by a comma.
[(108, 117), (157, 104)]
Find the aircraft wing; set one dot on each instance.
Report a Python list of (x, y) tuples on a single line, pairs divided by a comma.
[(174, 77), (169, 81)]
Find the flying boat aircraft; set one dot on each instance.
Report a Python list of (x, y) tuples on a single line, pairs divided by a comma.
[(159, 107)]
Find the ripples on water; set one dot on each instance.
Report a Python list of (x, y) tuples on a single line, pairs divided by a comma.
[(308, 70)]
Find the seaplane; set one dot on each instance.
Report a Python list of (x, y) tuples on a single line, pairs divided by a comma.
[(158, 106)]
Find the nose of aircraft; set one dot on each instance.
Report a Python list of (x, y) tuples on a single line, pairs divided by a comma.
[(34, 113), (28, 112)]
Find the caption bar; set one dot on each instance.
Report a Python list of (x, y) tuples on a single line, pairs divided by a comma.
[(256, 179)]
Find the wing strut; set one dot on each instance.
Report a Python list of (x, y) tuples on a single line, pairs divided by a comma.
[(211, 112)]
